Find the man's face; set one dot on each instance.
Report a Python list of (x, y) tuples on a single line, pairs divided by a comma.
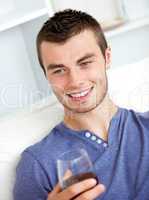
[(76, 71)]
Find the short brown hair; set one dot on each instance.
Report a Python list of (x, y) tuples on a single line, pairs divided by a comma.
[(64, 25)]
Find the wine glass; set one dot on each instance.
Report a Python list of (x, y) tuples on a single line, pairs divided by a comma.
[(74, 166)]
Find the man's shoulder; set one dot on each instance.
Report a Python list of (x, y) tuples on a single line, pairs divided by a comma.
[(47, 146), (134, 120), (142, 117), (137, 123), (133, 115)]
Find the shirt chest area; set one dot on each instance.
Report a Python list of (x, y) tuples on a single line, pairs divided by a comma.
[(109, 163)]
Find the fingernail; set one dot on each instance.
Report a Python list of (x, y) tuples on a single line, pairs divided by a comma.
[(93, 181), (102, 187)]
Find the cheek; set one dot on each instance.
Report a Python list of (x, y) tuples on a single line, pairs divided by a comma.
[(100, 79), (96, 76), (96, 71), (57, 84)]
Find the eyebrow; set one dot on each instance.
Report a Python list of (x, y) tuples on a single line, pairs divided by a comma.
[(87, 56), (55, 66)]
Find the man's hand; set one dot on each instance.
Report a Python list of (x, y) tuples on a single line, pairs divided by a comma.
[(86, 189)]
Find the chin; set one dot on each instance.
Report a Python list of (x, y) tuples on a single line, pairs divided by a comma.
[(81, 109)]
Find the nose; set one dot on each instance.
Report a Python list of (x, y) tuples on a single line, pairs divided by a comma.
[(76, 78)]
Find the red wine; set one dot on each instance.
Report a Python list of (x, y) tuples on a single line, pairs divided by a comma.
[(77, 178)]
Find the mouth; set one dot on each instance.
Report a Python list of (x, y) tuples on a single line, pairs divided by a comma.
[(81, 95)]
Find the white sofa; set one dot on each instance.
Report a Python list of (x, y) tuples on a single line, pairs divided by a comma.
[(128, 87)]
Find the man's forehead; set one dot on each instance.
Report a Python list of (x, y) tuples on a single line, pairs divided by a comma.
[(86, 37), (70, 51)]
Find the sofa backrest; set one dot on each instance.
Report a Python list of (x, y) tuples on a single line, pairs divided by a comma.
[(128, 87)]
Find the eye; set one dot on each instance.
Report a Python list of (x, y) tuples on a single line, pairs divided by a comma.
[(86, 63), (59, 71)]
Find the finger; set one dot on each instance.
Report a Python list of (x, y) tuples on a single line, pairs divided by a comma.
[(78, 188), (57, 189), (93, 193), (67, 174)]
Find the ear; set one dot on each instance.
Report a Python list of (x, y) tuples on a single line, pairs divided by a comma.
[(108, 57)]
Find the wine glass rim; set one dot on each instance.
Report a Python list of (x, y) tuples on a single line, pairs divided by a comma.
[(64, 156)]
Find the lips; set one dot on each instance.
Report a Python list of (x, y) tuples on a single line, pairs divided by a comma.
[(80, 95)]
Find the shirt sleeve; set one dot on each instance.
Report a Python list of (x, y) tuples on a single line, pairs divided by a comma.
[(143, 193), (31, 182)]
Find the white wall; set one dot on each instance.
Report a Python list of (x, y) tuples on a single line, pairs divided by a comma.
[(16, 75), (130, 47), (100, 9)]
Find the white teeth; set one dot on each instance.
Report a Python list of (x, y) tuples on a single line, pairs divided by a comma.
[(81, 94)]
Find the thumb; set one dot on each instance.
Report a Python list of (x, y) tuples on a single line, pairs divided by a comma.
[(57, 189)]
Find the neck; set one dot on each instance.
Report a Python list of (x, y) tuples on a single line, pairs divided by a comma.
[(96, 121)]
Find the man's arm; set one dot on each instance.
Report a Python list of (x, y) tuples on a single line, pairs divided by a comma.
[(31, 181), (33, 184)]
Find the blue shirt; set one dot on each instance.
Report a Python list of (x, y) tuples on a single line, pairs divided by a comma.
[(121, 164)]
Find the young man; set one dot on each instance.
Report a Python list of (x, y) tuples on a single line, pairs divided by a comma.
[(74, 55)]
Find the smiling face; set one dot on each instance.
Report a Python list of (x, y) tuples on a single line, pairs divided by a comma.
[(76, 71)]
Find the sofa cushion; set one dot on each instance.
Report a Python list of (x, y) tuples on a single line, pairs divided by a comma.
[(128, 87)]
